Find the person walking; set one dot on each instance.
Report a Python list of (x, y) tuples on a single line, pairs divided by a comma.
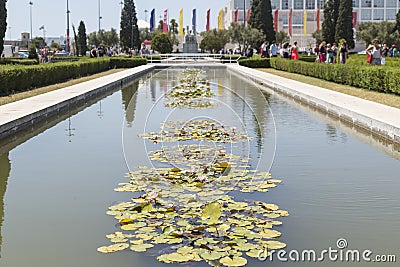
[(273, 49)]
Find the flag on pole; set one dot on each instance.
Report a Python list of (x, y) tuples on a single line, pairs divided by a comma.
[(208, 20), (290, 22), (354, 19), (305, 23), (181, 22), (194, 21), (152, 19), (236, 16), (318, 19), (248, 15), (165, 22), (276, 17), (220, 19)]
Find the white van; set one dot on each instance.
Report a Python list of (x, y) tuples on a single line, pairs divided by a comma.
[(8, 51)]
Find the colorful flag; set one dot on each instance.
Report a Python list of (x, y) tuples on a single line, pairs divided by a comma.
[(354, 19), (236, 16), (221, 20), (165, 23), (290, 22), (208, 20), (318, 19), (152, 19), (305, 23), (181, 22), (194, 21), (276, 17), (248, 15)]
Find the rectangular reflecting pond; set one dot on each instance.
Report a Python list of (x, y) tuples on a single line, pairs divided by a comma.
[(57, 179)]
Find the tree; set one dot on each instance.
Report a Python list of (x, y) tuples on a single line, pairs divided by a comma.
[(261, 18), (397, 26), (76, 40), (32, 54), (173, 26), (38, 42), (329, 25), (82, 39), (160, 25), (344, 25), (110, 38), (129, 33), (3, 23), (383, 31), (93, 39), (161, 43), (317, 35), (282, 37), (214, 40)]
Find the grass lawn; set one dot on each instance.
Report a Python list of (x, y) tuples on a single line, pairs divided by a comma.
[(19, 96), (383, 98)]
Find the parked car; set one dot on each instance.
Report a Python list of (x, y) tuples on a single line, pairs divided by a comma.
[(23, 53)]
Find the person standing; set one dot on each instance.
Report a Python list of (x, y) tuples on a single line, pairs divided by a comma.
[(295, 53), (274, 49), (343, 53), (376, 52)]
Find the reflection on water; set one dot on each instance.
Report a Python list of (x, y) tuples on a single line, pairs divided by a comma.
[(337, 181), (5, 167)]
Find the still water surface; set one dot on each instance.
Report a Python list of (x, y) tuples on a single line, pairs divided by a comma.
[(57, 180)]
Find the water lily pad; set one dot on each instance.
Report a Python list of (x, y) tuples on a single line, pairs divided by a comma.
[(141, 247), (212, 212), (235, 261), (113, 248)]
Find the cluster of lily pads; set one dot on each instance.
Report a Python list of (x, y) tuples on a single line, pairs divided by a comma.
[(193, 91), (202, 129), (185, 210)]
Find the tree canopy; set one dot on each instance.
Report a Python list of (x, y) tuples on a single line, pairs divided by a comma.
[(82, 39), (261, 18), (129, 33), (383, 31), (329, 23), (214, 40), (344, 25), (3, 23), (161, 43)]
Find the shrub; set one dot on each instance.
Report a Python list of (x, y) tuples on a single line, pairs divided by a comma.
[(17, 78), (255, 63), (123, 62), (18, 61), (377, 78)]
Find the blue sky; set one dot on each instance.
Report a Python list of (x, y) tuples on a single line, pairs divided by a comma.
[(52, 14)]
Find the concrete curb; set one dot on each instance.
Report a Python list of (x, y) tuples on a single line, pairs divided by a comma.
[(374, 117), (21, 114)]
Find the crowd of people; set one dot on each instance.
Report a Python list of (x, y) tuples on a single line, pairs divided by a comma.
[(329, 53)]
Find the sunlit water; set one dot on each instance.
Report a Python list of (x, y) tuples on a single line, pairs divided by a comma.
[(56, 182)]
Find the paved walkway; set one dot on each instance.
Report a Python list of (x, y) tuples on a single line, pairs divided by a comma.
[(20, 114), (380, 119)]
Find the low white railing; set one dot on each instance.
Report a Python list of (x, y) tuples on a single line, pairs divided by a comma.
[(193, 57)]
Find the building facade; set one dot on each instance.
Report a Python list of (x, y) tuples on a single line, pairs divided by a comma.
[(305, 13)]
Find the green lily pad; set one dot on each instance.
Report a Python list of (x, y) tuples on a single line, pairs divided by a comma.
[(235, 261)]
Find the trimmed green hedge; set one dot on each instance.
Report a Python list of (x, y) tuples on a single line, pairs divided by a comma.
[(255, 63), (377, 78), (14, 78), (126, 62), (18, 61)]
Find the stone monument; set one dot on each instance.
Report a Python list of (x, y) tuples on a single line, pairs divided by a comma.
[(190, 45)]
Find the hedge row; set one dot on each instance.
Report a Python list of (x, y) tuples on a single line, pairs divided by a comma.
[(14, 78), (255, 63), (18, 61), (377, 78), (126, 62)]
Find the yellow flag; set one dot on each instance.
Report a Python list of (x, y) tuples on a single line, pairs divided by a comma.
[(220, 20), (305, 23), (181, 22)]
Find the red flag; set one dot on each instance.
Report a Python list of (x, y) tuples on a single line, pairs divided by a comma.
[(318, 19), (354, 19), (236, 17), (165, 24), (248, 15), (290, 22), (276, 20), (208, 20)]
